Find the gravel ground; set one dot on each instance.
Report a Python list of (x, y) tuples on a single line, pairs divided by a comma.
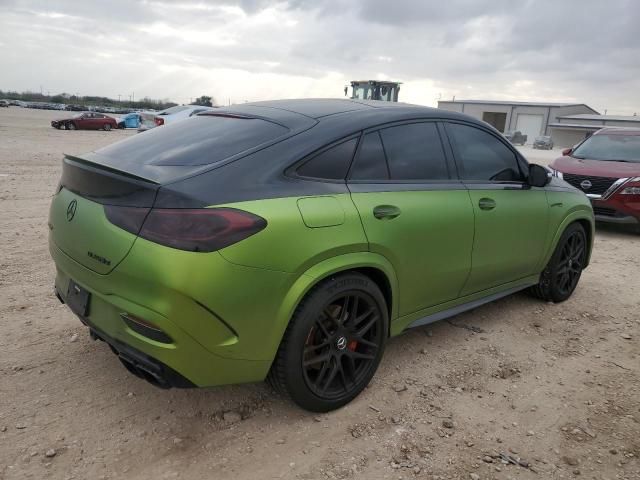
[(555, 388)]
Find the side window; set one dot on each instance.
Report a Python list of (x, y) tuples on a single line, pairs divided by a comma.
[(332, 164), (414, 152), (370, 163), (483, 157)]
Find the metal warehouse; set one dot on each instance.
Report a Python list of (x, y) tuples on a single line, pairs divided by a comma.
[(531, 118), (568, 130)]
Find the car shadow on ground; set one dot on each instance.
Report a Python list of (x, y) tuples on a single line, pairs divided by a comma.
[(621, 230)]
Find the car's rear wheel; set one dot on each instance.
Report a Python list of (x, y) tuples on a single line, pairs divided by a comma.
[(333, 344), (561, 275), (107, 126)]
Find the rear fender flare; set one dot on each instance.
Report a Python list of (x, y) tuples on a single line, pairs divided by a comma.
[(315, 274), (573, 216)]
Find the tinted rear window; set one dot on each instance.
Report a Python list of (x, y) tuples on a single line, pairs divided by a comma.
[(371, 163), (199, 140), (414, 152), (332, 164)]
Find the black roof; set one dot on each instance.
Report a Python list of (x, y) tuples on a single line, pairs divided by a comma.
[(295, 113)]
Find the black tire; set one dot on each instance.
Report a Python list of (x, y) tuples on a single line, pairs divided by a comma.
[(71, 126), (561, 275), (107, 127), (333, 344)]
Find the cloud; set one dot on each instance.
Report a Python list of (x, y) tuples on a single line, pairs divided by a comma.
[(577, 50)]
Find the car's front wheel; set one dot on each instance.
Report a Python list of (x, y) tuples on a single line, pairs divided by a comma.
[(561, 275), (107, 126), (71, 126), (333, 344)]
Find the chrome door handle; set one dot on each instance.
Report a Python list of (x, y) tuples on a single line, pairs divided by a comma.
[(487, 204), (386, 212)]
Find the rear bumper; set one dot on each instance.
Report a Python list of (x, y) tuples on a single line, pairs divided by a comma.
[(205, 350), (137, 362)]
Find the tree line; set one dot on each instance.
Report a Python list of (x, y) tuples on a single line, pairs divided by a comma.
[(68, 99)]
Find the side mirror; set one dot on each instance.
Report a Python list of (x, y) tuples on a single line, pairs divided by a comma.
[(567, 151), (538, 175)]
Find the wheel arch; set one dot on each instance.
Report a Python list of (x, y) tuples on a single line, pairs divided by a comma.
[(376, 267), (581, 217)]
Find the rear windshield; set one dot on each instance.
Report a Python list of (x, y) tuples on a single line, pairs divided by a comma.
[(613, 147), (198, 140)]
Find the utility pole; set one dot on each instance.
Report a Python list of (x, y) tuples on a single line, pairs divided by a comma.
[(118, 98), (133, 96)]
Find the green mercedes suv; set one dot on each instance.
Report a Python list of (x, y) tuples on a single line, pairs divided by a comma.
[(288, 240)]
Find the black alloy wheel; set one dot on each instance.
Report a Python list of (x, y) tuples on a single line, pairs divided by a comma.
[(341, 345), (560, 277), (571, 263), (333, 343)]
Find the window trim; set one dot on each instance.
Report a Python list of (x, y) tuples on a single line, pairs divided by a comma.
[(520, 160), (451, 167), (292, 170)]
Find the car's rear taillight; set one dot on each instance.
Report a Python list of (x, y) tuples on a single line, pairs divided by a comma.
[(195, 230), (158, 121)]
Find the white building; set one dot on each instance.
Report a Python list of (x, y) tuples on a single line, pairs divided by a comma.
[(531, 118), (568, 130)]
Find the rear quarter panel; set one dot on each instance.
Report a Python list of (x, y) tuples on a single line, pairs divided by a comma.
[(566, 205)]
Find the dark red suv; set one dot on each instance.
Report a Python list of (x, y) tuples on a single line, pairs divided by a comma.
[(606, 166)]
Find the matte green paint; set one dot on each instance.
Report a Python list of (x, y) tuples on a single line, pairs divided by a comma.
[(429, 243), (509, 239), (321, 212), (227, 310), (87, 231)]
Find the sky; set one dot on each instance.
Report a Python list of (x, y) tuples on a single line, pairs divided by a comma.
[(584, 51)]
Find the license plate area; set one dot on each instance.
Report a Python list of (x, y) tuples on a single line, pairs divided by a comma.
[(78, 299)]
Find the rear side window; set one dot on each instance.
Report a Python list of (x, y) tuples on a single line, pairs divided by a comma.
[(198, 140), (414, 152), (482, 156), (406, 152), (371, 163), (331, 164)]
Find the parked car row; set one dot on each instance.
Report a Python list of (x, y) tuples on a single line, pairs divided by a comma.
[(141, 120), (85, 121), (151, 120)]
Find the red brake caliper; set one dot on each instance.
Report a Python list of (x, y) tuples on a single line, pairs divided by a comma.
[(352, 345)]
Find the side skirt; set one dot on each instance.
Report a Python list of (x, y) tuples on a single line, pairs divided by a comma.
[(450, 312)]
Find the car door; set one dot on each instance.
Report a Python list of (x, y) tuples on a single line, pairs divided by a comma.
[(511, 217), (88, 121), (98, 121), (414, 212)]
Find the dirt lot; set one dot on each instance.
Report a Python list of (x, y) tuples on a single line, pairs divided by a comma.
[(557, 386)]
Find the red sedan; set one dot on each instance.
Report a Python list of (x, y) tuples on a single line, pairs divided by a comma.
[(86, 121), (606, 167)]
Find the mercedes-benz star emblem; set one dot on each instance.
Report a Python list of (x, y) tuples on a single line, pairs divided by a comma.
[(585, 184), (341, 343), (71, 210)]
